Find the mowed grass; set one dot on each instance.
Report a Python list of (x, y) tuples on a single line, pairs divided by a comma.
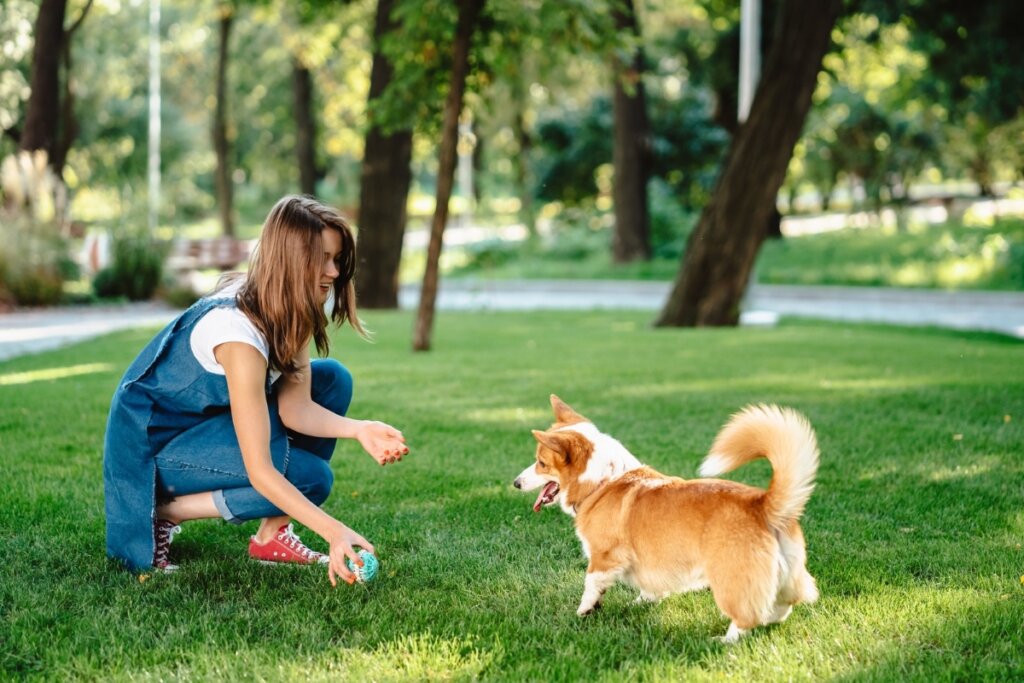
[(943, 256), (914, 532)]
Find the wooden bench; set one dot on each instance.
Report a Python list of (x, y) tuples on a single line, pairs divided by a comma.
[(217, 253)]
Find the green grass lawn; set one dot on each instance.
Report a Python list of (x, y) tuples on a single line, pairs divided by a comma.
[(946, 256), (914, 532)]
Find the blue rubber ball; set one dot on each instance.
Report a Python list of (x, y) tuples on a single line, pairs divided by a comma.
[(365, 573)]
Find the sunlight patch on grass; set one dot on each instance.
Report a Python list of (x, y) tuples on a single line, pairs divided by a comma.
[(754, 383), (421, 657), (874, 383), (46, 374), (520, 416), (958, 472), (880, 473)]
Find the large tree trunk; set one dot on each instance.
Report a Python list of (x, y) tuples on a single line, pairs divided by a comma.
[(221, 143), (383, 188), (721, 251), (469, 10), (42, 117), (305, 126), (630, 149)]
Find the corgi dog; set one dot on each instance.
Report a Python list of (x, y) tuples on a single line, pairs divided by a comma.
[(665, 535)]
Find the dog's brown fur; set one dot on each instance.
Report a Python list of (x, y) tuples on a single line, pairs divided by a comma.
[(665, 535)]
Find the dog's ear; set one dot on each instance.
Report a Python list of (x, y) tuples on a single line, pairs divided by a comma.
[(563, 413), (557, 442)]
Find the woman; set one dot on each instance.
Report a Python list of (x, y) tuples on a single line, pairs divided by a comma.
[(224, 414)]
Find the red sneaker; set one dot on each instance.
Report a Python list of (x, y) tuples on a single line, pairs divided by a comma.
[(285, 547), (163, 534)]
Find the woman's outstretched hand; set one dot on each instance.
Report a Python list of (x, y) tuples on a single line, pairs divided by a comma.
[(384, 443), (342, 548)]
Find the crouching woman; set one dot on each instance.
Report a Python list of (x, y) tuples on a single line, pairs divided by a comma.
[(224, 414)]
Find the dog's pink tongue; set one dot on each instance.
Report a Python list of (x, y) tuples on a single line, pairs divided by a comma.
[(546, 495)]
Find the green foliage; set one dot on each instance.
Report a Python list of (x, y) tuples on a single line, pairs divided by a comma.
[(685, 149), (135, 271), (576, 144), (16, 39), (912, 90), (671, 220), (510, 42), (920, 434), (974, 51)]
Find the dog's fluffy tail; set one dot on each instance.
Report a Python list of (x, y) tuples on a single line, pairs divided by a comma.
[(784, 437)]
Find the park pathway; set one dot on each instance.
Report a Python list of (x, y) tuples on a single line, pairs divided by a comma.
[(33, 331)]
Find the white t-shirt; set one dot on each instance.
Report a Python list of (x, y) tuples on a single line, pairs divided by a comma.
[(226, 324)]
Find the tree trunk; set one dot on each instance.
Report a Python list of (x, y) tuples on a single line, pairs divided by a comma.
[(42, 116), (68, 121), (469, 10), (527, 214), (221, 143), (630, 149), (305, 126), (383, 188), (721, 251)]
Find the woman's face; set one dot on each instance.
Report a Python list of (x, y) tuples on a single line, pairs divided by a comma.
[(332, 250)]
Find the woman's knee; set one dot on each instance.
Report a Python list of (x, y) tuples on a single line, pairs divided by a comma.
[(332, 385), (310, 475)]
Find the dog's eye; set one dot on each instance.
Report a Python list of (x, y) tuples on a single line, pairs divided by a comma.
[(541, 466)]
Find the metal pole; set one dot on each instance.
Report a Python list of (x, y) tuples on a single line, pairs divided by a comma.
[(153, 157), (750, 55)]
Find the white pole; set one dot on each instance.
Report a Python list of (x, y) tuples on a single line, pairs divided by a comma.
[(750, 55), (464, 168), (153, 167)]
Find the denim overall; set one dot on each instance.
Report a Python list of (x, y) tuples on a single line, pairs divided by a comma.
[(170, 433)]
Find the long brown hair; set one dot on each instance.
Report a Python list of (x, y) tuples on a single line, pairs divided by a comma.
[(281, 292)]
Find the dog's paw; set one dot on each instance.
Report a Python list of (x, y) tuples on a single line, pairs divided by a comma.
[(584, 610), (733, 635)]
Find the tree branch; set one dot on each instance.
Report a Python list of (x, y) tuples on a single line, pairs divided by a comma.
[(78, 22)]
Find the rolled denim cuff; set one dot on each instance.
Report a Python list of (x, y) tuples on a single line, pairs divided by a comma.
[(222, 507)]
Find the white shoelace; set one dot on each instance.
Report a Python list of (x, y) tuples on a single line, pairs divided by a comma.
[(288, 537), (162, 550)]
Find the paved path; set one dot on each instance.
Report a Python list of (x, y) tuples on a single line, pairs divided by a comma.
[(40, 330), (33, 331), (991, 311)]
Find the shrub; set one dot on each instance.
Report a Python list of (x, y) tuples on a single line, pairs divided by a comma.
[(34, 259), (179, 296), (135, 271), (671, 222), (490, 254)]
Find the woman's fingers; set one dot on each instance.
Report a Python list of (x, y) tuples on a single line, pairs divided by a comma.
[(392, 454), (337, 567)]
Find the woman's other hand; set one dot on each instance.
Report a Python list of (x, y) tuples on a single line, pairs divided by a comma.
[(384, 443)]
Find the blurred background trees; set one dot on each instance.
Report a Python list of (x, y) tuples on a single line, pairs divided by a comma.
[(585, 125)]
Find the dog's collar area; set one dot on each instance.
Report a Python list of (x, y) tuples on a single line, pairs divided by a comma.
[(595, 488)]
